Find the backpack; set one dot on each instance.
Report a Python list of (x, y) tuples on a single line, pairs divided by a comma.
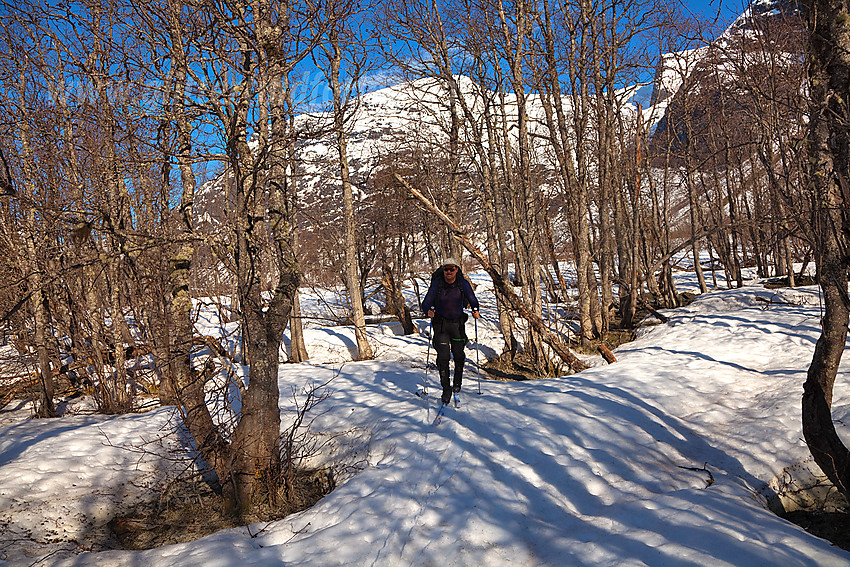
[(437, 277)]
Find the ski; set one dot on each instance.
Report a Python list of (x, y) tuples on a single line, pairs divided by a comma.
[(457, 399), (439, 417)]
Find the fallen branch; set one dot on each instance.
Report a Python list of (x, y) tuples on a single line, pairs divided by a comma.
[(606, 353), (516, 303), (15, 389), (704, 469), (773, 301), (649, 308), (643, 302)]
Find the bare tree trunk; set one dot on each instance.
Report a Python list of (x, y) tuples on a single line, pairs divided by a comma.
[(118, 398), (622, 229), (298, 348), (350, 276), (252, 468), (829, 149), (180, 304), (496, 247), (34, 279), (568, 142), (693, 209), (395, 299), (45, 406)]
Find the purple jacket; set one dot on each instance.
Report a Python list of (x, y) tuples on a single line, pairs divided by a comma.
[(448, 300)]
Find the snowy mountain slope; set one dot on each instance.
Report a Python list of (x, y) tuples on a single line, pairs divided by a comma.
[(672, 70), (385, 121), (401, 118), (666, 457), (393, 120), (730, 79)]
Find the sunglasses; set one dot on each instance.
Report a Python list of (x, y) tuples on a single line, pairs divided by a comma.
[(450, 269)]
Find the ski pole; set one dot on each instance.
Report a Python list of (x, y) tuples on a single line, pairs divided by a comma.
[(477, 348)]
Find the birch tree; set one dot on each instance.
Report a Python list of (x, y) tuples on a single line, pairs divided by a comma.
[(828, 53), (341, 45)]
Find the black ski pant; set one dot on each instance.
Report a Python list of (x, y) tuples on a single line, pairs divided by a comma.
[(450, 339)]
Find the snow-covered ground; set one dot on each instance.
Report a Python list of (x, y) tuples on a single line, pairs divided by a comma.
[(598, 468)]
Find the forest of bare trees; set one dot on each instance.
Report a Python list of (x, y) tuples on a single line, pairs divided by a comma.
[(579, 202)]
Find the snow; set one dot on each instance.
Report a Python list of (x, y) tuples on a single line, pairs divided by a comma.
[(667, 457), (673, 69)]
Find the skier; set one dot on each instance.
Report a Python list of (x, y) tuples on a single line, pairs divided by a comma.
[(447, 295)]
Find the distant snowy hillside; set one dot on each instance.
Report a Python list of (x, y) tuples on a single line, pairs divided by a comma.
[(412, 118), (759, 49), (389, 121)]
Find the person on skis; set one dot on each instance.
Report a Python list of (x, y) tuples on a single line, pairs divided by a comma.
[(447, 295)]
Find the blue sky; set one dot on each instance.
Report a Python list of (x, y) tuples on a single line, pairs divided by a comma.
[(728, 9), (313, 84)]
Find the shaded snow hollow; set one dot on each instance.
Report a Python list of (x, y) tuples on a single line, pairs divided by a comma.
[(590, 469)]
